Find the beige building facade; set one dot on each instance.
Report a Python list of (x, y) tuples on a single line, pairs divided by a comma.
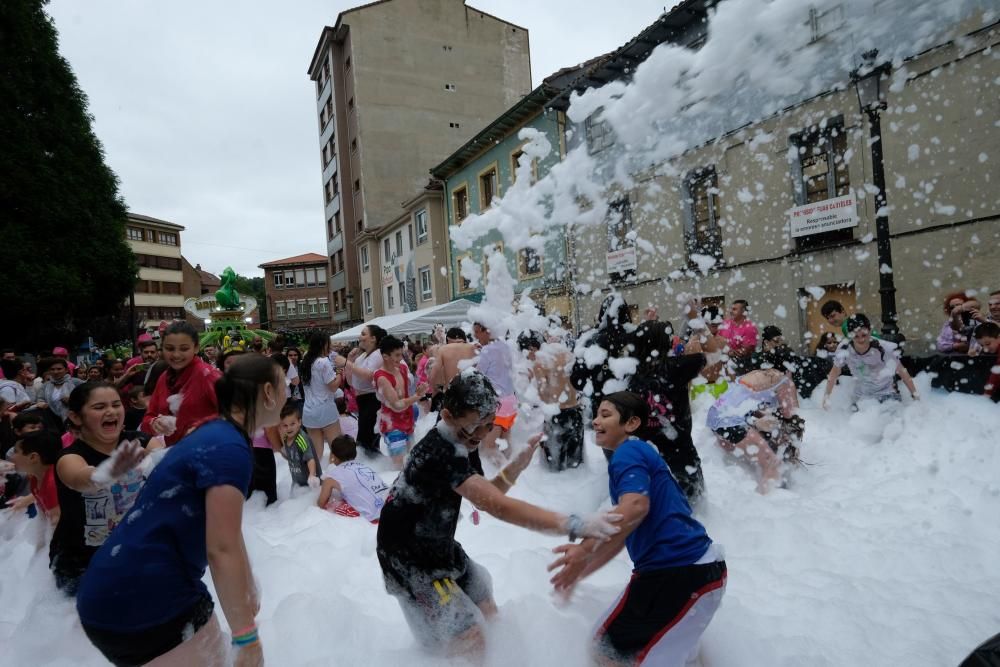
[(400, 84), (734, 199), (408, 259), (159, 293)]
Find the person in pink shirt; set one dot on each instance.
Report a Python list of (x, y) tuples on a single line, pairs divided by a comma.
[(739, 331), (63, 353)]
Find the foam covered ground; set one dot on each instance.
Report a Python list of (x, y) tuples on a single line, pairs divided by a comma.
[(882, 553)]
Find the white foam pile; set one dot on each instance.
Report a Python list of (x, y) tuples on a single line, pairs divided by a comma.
[(882, 553)]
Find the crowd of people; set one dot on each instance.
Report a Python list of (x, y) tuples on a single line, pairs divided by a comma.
[(139, 467)]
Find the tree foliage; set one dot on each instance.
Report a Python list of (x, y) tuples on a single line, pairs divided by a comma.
[(255, 288), (62, 220)]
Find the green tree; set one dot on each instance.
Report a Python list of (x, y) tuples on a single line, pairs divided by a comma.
[(66, 263), (255, 288)]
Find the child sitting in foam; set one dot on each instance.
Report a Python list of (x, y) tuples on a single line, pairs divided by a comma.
[(350, 488)]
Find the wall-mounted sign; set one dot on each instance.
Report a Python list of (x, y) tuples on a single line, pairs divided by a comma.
[(622, 260), (203, 307), (823, 216), (388, 272)]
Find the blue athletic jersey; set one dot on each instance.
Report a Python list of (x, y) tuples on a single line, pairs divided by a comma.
[(669, 536), (151, 567)]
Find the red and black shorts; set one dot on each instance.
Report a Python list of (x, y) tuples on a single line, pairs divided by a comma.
[(662, 612)]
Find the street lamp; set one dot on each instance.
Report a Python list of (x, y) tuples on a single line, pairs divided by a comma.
[(867, 80)]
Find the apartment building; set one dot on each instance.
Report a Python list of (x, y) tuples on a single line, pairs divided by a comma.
[(197, 282), (399, 85), (405, 261), (298, 293), (159, 294), (723, 219)]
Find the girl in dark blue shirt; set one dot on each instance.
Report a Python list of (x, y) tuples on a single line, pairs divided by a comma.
[(143, 596), (679, 575)]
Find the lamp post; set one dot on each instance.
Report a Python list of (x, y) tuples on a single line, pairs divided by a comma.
[(867, 80)]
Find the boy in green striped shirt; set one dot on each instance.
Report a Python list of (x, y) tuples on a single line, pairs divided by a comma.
[(297, 448)]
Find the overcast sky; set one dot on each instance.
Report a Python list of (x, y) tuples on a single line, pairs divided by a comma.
[(208, 117)]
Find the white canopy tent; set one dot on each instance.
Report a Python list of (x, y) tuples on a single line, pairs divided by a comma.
[(422, 321)]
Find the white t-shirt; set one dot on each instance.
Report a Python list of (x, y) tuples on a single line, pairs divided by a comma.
[(361, 487), (292, 373), (874, 371), (13, 392), (370, 362), (320, 408)]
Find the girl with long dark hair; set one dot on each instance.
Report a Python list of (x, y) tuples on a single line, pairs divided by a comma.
[(360, 371), (144, 597), (320, 379)]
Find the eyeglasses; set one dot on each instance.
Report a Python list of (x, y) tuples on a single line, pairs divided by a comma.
[(476, 429)]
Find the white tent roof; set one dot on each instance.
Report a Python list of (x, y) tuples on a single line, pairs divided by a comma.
[(422, 321)]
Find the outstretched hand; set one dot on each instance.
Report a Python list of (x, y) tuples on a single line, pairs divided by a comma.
[(127, 455), (571, 565), (523, 457)]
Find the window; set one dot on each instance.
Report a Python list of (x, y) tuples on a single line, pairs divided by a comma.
[(449, 86), (620, 236), (135, 234), (347, 63), (387, 250), (515, 160), (402, 294), (343, 298), (368, 299), (460, 197), (324, 305), (701, 192), (290, 308), (464, 284), (336, 301), (488, 252), (425, 283), (409, 237), (300, 277), (310, 277), (354, 145), (321, 275), (399, 243), (334, 264), (279, 308), (821, 173), (822, 22), (529, 264), (289, 279), (303, 308), (278, 281), (329, 227), (168, 238), (364, 259), (350, 105), (488, 187), (599, 134), (357, 185), (454, 125), (390, 302), (337, 228), (421, 218), (361, 225), (313, 307)]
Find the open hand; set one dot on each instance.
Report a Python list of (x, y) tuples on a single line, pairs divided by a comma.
[(599, 525), (570, 564), (21, 503)]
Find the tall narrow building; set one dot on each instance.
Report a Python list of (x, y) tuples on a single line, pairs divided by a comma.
[(400, 84)]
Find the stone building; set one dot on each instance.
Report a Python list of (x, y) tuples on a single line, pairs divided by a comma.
[(297, 293), (722, 218)]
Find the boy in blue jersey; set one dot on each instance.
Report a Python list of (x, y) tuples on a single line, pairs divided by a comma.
[(679, 575)]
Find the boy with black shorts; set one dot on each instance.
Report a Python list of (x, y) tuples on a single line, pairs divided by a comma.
[(445, 595), (679, 576)]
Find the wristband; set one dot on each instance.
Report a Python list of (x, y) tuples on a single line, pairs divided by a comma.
[(246, 638), (503, 476), (246, 630), (575, 525)]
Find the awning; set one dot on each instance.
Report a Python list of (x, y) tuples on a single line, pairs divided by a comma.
[(422, 321)]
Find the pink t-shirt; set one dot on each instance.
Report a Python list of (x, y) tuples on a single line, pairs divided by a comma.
[(741, 337)]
